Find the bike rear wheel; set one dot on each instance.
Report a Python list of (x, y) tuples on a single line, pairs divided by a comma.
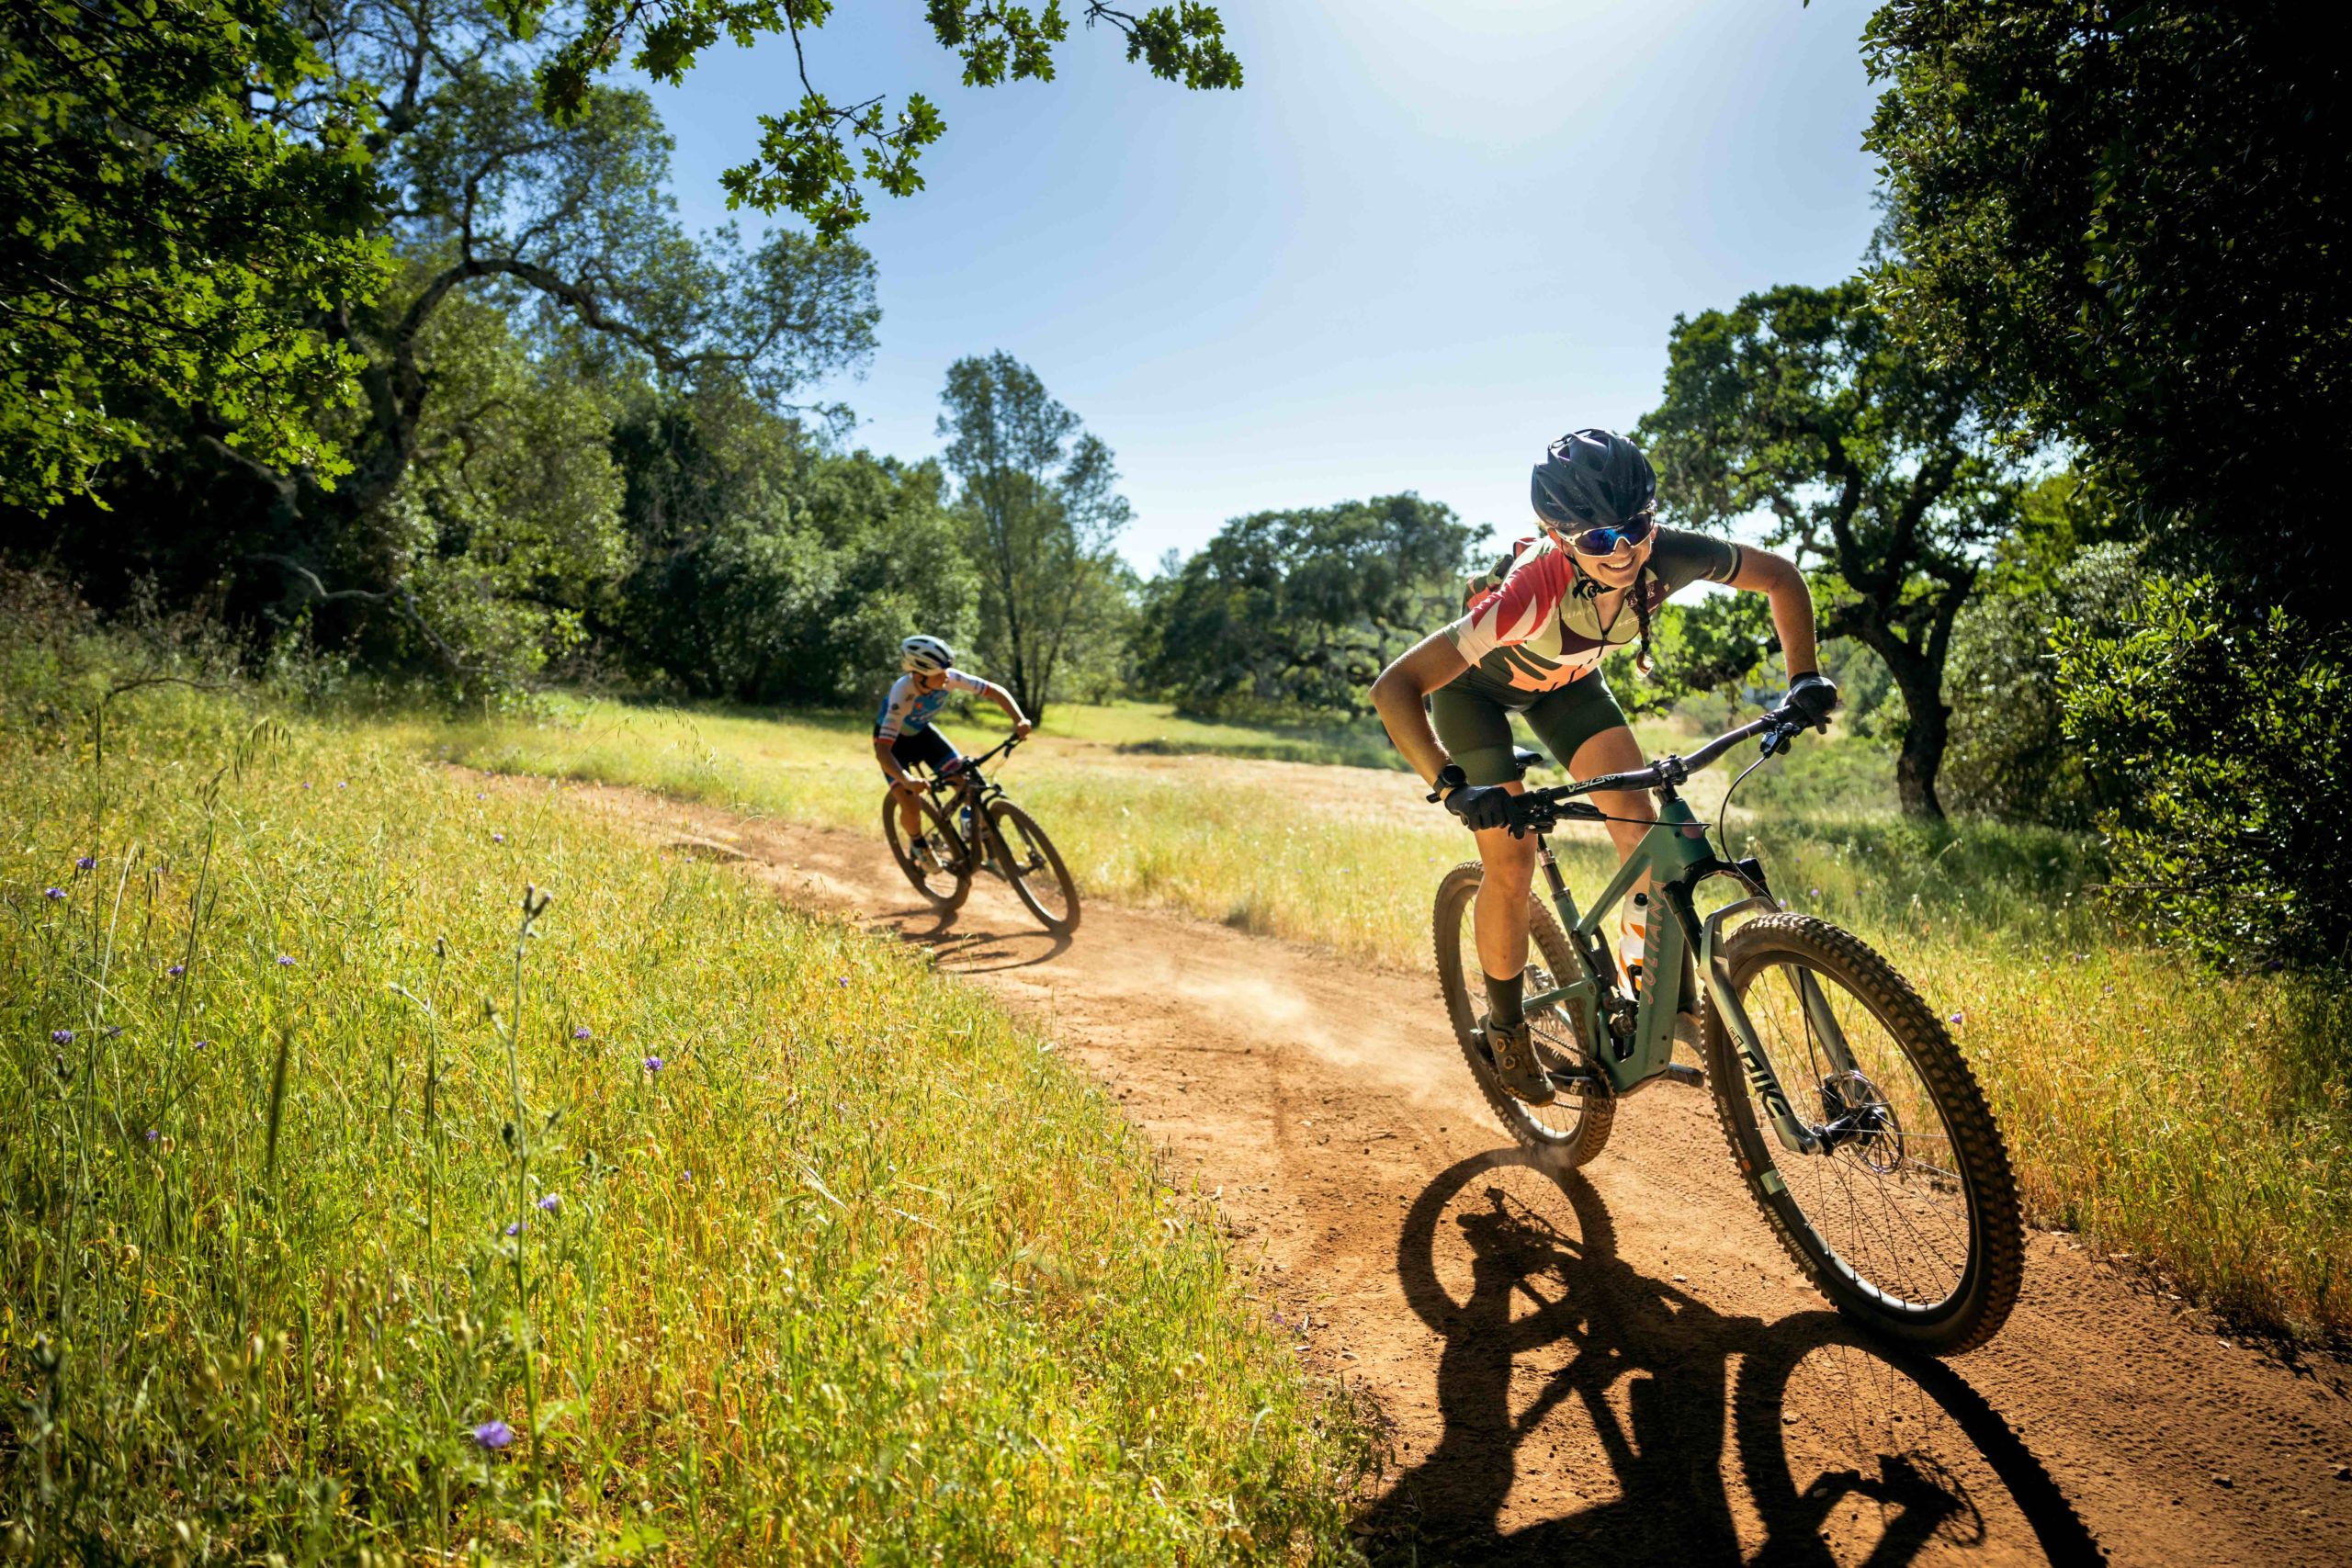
[(1035, 868), (942, 871), (1572, 1129), (1907, 1218)]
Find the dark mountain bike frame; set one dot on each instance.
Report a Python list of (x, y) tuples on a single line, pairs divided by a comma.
[(1633, 1039)]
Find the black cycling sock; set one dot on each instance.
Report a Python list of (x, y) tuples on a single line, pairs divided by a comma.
[(1503, 1000)]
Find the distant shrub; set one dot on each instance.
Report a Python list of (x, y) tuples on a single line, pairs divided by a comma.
[(2228, 732), (2010, 757)]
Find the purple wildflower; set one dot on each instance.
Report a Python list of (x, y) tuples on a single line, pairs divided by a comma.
[(52, 893), (516, 1229), (305, 783), (342, 784), (61, 1037), (201, 1044), (477, 794), (843, 981), (552, 1203), (652, 1064), (1815, 893), (176, 970), (493, 1435), (1955, 1018), (581, 1033), (87, 863), (498, 837), (113, 1031), (284, 960), (151, 1134)]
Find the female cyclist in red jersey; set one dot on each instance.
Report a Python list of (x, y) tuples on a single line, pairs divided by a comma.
[(1532, 644)]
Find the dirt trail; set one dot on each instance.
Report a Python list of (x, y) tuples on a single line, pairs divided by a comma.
[(1619, 1368)]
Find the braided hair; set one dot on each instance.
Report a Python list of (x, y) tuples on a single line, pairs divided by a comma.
[(1641, 592)]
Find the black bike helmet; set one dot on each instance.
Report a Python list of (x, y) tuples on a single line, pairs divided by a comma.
[(1591, 479)]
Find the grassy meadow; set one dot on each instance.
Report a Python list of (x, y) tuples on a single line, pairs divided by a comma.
[(355, 1205), (2201, 1124)]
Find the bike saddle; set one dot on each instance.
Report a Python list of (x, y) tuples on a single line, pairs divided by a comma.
[(1524, 759)]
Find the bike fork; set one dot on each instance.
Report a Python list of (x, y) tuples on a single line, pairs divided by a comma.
[(1791, 1132)]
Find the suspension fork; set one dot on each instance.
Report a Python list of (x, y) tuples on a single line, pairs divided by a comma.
[(1795, 1135)]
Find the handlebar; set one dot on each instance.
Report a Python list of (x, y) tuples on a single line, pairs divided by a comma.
[(966, 765), (1537, 809)]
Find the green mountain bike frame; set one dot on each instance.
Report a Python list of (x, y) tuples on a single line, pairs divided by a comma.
[(1633, 1041)]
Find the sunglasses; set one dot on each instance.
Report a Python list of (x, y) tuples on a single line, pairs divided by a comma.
[(1605, 541)]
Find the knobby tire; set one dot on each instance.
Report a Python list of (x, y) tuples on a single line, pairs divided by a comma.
[(1588, 1134), (956, 874), (1014, 827), (1989, 1277)]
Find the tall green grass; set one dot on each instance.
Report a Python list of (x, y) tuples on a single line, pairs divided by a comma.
[(356, 1201), (2202, 1124)]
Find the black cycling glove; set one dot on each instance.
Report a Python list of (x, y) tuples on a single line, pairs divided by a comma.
[(1813, 697), (1480, 806)]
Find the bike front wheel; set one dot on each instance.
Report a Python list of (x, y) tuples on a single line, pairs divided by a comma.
[(1572, 1129), (1035, 868), (1905, 1216), (940, 869)]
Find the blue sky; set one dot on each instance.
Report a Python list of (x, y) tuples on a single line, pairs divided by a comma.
[(1422, 241)]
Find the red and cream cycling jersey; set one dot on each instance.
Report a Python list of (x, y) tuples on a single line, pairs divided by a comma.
[(1535, 631)]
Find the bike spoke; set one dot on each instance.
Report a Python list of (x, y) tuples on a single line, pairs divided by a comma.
[(1882, 1196)]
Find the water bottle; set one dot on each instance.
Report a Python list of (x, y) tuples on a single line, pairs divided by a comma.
[(1635, 941), (964, 821)]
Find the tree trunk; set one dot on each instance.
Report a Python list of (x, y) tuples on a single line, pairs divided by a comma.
[(1926, 728)]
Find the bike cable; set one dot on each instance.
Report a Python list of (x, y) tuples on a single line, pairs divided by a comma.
[(1723, 817)]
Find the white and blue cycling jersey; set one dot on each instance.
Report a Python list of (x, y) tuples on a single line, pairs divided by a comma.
[(907, 709)]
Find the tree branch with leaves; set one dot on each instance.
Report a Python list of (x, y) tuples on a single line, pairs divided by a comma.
[(1800, 406), (817, 159)]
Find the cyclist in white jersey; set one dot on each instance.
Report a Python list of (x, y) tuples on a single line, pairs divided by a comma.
[(903, 735)]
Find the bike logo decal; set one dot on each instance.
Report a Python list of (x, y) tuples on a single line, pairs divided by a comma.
[(1767, 1088)]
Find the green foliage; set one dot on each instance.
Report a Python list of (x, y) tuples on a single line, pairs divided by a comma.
[(1802, 403), (1040, 509), (2009, 755), (506, 522), (476, 523), (1296, 611), (2132, 219), (768, 572), (669, 1191), (2235, 733), (805, 163), (184, 196)]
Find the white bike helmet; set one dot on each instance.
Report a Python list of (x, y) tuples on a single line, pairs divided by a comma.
[(922, 655)]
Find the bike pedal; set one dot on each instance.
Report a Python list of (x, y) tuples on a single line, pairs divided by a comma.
[(1677, 1072)]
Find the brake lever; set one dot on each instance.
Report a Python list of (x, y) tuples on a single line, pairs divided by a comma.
[(1530, 814)]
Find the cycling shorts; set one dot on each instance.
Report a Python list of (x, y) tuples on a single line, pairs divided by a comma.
[(925, 746), (1472, 715)]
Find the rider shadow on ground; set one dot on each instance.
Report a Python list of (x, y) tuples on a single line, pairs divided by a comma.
[(1892, 1456), (979, 948)]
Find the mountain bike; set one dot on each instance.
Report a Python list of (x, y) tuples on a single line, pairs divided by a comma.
[(1859, 1127), (969, 825)]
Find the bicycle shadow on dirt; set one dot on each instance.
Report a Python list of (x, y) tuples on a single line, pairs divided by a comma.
[(969, 946), (1844, 1452)]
